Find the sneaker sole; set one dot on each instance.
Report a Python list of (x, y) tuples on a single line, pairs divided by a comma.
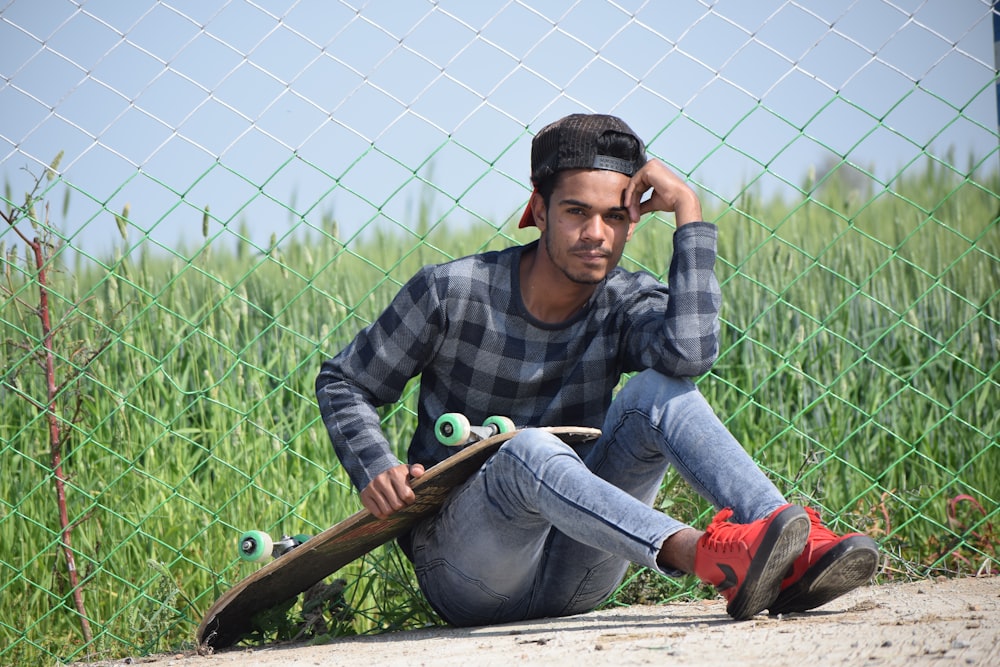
[(849, 564), (783, 541)]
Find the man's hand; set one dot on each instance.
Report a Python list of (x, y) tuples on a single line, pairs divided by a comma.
[(390, 491), (670, 194)]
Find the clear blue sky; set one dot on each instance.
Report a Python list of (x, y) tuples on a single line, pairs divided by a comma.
[(333, 106)]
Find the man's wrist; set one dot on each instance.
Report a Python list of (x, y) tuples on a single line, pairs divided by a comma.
[(688, 210)]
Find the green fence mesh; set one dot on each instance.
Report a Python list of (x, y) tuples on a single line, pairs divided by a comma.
[(242, 185)]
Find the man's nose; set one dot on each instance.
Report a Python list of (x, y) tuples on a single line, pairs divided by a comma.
[(594, 228)]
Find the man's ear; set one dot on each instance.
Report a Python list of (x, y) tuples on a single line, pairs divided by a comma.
[(538, 210)]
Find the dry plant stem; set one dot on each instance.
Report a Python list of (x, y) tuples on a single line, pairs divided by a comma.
[(55, 433)]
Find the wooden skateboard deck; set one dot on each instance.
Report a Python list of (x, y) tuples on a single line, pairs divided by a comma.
[(230, 618)]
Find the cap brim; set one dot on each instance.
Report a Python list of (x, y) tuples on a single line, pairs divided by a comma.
[(527, 218)]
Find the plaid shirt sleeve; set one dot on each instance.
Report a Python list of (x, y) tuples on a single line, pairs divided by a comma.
[(680, 337), (372, 371)]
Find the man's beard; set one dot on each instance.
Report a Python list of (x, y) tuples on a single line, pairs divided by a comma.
[(564, 267)]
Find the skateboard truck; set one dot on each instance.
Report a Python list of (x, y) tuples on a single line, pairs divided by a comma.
[(453, 428), (256, 545)]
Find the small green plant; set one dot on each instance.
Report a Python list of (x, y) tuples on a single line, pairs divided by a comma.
[(274, 624), (324, 612), (153, 619), (318, 614)]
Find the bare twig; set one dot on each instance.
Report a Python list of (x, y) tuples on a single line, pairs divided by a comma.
[(41, 251)]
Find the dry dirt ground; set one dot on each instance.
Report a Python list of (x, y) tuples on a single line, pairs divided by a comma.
[(942, 622)]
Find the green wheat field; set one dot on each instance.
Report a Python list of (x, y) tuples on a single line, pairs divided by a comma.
[(861, 340)]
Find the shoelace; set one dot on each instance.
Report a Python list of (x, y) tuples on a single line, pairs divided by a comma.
[(817, 531), (731, 534)]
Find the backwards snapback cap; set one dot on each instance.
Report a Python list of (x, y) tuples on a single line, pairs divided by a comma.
[(573, 142)]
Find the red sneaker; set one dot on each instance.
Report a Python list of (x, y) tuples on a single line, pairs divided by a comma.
[(746, 561), (829, 566)]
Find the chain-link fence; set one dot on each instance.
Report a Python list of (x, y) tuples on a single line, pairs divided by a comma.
[(221, 193)]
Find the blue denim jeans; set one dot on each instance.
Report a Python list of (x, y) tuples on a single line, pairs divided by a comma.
[(545, 529)]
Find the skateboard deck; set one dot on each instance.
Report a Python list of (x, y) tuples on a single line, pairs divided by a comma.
[(230, 618)]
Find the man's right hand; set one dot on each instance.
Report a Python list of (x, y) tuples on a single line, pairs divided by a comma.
[(669, 194), (390, 491)]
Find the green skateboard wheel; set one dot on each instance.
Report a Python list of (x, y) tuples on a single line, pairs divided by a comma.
[(452, 428), (500, 424), (255, 545)]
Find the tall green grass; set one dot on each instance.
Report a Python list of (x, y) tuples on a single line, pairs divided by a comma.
[(859, 366)]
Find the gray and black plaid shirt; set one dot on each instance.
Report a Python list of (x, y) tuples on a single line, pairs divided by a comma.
[(463, 327)]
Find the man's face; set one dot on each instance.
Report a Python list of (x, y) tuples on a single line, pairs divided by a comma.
[(585, 227)]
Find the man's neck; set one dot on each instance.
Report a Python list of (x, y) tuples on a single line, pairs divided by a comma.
[(548, 294)]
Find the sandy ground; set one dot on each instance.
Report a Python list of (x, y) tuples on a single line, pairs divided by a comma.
[(942, 622)]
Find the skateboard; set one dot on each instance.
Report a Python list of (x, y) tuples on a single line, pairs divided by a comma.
[(301, 561)]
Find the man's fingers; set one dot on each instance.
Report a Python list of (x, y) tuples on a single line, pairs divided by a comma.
[(390, 491), (633, 201), (376, 501), (402, 493)]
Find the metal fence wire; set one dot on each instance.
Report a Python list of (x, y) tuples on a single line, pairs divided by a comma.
[(205, 199)]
